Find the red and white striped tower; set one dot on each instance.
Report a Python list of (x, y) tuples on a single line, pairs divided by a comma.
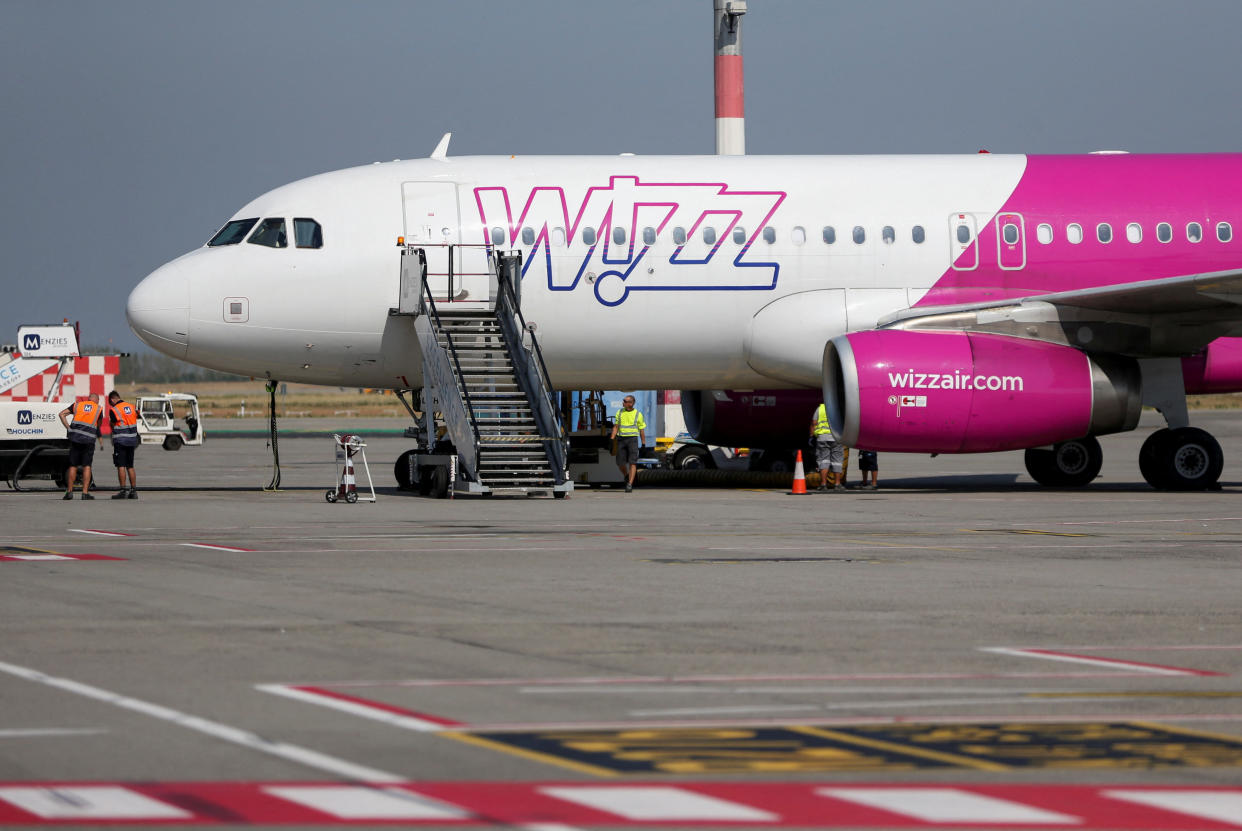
[(730, 89)]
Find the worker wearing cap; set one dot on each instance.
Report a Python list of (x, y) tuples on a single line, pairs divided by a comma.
[(628, 427), (123, 417), (81, 422)]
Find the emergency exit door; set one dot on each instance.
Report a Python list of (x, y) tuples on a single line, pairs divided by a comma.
[(1010, 241), (963, 242)]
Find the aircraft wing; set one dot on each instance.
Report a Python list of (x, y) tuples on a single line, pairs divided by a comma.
[(1218, 290)]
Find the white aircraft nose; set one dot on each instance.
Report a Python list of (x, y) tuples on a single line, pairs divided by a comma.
[(158, 310)]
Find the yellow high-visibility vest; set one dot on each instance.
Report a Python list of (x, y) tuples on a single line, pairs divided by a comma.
[(822, 428), (629, 423)]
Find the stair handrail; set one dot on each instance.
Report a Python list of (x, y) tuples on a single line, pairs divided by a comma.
[(509, 302), (469, 455)]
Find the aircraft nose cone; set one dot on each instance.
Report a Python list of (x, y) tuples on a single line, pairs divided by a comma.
[(158, 310)]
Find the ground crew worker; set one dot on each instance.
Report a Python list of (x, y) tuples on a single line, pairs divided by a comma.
[(630, 426), (81, 422), (829, 453), (123, 417)]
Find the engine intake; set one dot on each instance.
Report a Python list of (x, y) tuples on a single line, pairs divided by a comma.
[(965, 392)]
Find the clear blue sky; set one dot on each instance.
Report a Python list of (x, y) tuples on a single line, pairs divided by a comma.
[(133, 128)]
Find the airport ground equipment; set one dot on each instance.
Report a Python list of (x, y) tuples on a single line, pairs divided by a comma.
[(33, 443), (488, 423), (348, 446), (157, 420)]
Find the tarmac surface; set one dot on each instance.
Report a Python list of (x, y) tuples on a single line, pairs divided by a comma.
[(961, 625)]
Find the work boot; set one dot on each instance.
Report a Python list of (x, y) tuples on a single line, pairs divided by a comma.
[(121, 494), (88, 496), (838, 487), (68, 495), (629, 488), (133, 493)]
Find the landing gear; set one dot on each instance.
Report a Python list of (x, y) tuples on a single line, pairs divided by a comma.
[(1069, 464), (401, 471), (1181, 459)]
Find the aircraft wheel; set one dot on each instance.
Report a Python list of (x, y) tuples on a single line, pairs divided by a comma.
[(1184, 459), (1069, 464), (401, 471), (774, 461), (693, 457), (439, 482)]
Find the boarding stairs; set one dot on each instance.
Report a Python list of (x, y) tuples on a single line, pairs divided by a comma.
[(484, 376)]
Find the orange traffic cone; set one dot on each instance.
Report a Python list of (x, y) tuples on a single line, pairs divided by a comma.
[(799, 483)]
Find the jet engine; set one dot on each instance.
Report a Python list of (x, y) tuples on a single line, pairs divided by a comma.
[(1218, 368), (964, 392), (750, 418)]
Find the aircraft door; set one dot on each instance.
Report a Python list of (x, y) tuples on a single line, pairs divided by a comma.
[(963, 242), (431, 221), (1010, 241)]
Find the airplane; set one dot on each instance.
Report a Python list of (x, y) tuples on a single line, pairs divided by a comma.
[(936, 304)]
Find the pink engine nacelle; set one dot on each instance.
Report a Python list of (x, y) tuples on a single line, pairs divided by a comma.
[(750, 418), (963, 392), (1216, 369)]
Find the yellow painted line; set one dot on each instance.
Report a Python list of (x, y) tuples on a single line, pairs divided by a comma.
[(534, 755), (1142, 694), (908, 750), (1187, 731)]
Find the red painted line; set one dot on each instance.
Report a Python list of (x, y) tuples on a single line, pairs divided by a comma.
[(52, 558), (640, 803), (380, 705)]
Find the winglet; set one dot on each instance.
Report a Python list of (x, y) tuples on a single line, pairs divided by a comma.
[(440, 154)]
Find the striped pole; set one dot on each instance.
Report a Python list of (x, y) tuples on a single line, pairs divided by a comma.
[(730, 89)]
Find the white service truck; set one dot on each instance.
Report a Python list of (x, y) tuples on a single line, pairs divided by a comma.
[(33, 443)]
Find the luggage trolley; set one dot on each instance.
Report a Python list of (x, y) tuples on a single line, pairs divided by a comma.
[(347, 446)]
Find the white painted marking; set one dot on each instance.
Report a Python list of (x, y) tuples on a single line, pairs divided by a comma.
[(658, 803), (352, 802), (947, 805), (1082, 659), (290, 752), (1222, 806), (34, 557), (90, 802), (24, 732), (217, 547), (99, 533), (354, 708)]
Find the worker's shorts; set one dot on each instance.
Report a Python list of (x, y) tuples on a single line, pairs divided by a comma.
[(123, 456), (867, 460), (81, 454), (829, 454), (627, 450)]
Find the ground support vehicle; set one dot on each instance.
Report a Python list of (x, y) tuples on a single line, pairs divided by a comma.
[(158, 420)]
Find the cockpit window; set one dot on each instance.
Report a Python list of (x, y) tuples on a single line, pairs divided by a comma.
[(271, 232), (307, 233), (234, 232)]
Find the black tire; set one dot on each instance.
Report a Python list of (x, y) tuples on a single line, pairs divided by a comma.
[(1183, 459), (1069, 464), (439, 482), (401, 471), (351, 497), (774, 461), (693, 457), (173, 442), (330, 496)]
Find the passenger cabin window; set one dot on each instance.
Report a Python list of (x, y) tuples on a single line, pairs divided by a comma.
[(679, 235), (1164, 232), (963, 234), (271, 232), (918, 234), (739, 234), (888, 235), (528, 236), (1043, 233), (233, 232), (830, 235), (307, 233), (1104, 232), (709, 235), (769, 235), (860, 236), (498, 235), (1073, 233), (1134, 232), (649, 236), (1194, 232), (1010, 233), (588, 236), (1224, 231), (798, 235), (618, 236)]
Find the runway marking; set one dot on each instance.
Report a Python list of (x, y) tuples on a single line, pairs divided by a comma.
[(289, 752), (367, 708), (215, 547), (554, 806), (1137, 666), (29, 732), (101, 533), (15, 558)]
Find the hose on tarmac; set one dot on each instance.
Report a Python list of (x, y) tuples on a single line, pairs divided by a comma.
[(273, 485)]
